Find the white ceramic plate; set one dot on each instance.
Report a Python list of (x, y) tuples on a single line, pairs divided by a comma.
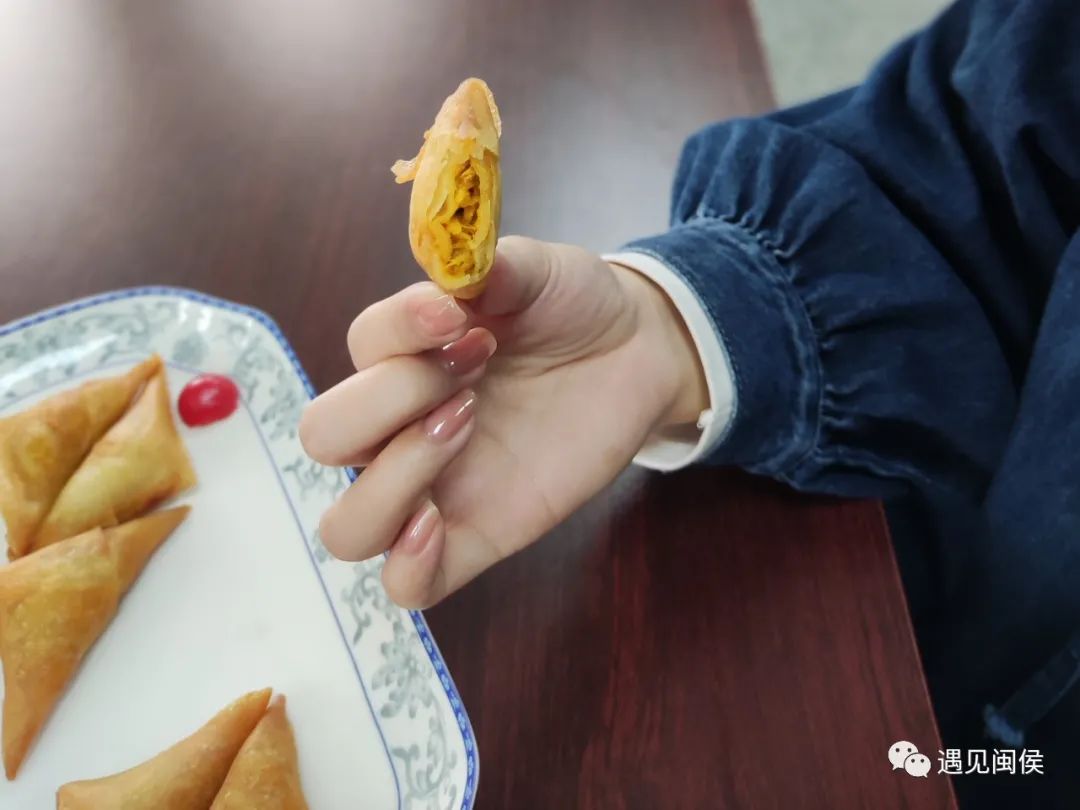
[(243, 595)]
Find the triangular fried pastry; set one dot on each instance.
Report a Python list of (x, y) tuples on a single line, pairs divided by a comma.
[(42, 446), (266, 773), (54, 604), (184, 777), (456, 196), (140, 462)]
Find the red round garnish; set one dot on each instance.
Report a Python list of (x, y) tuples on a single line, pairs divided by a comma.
[(207, 399)]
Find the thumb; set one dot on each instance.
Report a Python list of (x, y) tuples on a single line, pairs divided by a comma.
[(519, 274)]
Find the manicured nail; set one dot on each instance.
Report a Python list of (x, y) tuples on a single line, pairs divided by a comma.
[(420, 530), (449, 418), (468, 353), (441, 316)]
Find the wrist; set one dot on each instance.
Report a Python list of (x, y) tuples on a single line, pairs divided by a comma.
[(669, 350)]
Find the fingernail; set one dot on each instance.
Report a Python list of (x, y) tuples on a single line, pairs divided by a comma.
[(441, 316), (449, 418), (420, 530), (468, 353)]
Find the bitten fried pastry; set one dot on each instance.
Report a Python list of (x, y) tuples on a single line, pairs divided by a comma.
[(42, 446), (185, 777), (54, 604), (140, 462), (457, 191), (266, 773)]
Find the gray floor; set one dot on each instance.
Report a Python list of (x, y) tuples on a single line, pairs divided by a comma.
[(815, 46)]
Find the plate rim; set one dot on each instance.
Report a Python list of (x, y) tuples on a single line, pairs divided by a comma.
[(431, 647)]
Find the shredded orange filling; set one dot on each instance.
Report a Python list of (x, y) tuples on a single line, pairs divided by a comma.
[(463, 220)]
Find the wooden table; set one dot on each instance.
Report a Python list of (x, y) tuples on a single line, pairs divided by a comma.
[(700, 640)]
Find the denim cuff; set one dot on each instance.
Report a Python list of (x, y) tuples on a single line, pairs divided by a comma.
[(758, 316)]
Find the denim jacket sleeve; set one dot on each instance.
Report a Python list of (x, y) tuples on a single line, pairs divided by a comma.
[(876, 262)]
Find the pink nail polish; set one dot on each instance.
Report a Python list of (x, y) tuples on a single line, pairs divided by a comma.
[(441, 316), (468, 353), (419, 531), (448, 419)]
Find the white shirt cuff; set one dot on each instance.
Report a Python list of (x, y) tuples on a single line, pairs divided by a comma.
[(671, 449)]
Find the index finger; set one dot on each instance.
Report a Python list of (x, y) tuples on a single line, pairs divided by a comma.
[(419, 318)]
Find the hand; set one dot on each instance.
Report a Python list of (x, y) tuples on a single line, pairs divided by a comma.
[(481, 425)]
